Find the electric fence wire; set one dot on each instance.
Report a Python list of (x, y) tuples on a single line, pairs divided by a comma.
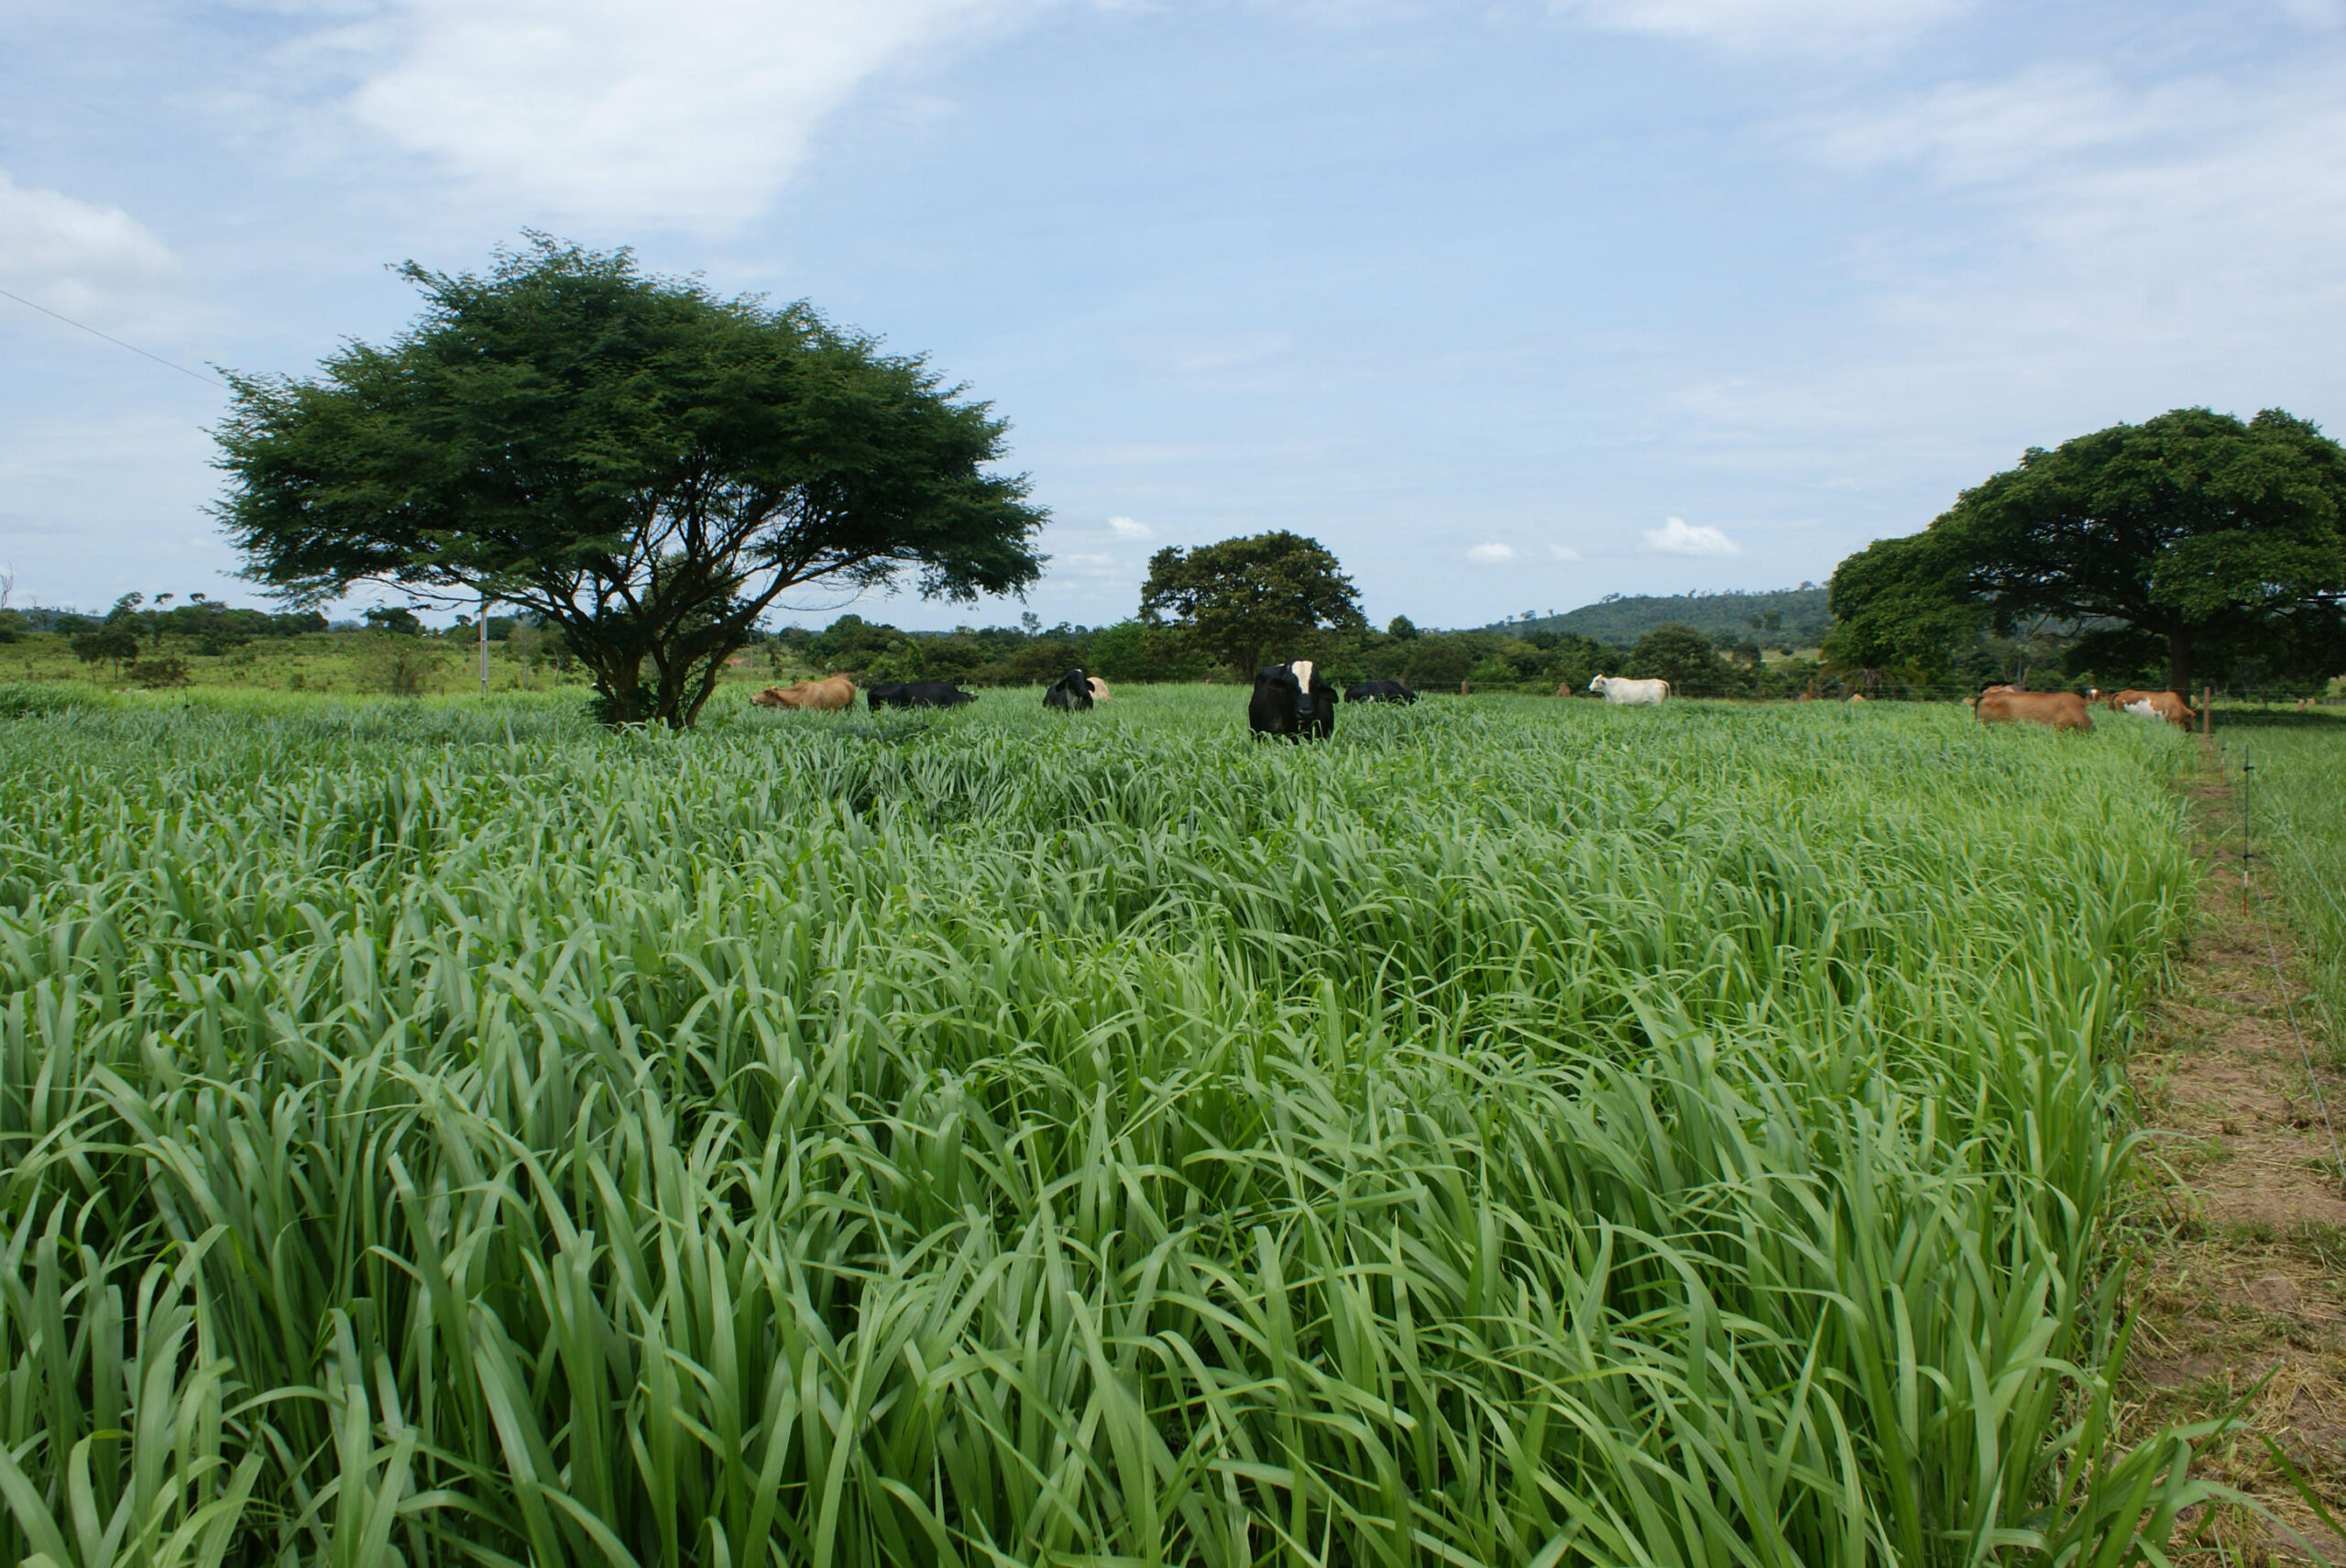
[(93, 332), (2281, 979)]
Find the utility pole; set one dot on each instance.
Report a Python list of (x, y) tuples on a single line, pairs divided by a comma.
[(484, 644)]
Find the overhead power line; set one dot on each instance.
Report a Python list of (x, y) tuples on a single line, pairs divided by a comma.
[(134, 349)]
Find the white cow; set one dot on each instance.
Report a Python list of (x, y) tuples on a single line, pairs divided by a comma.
[(1620, 693)]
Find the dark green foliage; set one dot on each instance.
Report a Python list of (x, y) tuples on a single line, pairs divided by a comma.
[(1245, 599), (631, 458), (2218, 539), (1135, 651), (162, 670), (12, 625), (851, 643), (1894, 609), (397, 620), (113, 640), (1438, 660), (1788, 618), (1680, 655)]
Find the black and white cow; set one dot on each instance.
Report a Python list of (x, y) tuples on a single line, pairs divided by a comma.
[(1380, 691), (1071, 691), (1293, 701), (917, 694)]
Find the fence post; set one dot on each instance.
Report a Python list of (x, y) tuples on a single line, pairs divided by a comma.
[(2207, 710)]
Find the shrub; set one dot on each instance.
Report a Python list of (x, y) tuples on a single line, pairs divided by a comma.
[(397, 664), (162, 670)]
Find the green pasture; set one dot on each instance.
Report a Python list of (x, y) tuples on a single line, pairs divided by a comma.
[(2297, 801), (1517, 1132)]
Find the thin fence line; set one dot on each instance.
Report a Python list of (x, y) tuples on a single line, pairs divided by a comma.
[(93, 332), (2289, 1002)]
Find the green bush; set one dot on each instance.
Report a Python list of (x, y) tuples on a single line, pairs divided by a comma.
[(162, 670)]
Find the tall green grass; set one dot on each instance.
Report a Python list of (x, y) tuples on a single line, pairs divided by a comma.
[(1515, 1133), (2297, 799)]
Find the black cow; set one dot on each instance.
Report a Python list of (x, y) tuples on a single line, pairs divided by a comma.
[(917, 694), (1293, 701), (1072, 691), (1380, 691)]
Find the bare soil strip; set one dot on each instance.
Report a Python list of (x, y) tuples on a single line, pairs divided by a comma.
[(2241, 1280)]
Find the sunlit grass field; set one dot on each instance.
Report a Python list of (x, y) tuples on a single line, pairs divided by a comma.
[(1517, 1132), (2297, 805)]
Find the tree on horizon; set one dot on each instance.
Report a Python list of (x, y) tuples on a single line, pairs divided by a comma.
[(634, 460), (2190, 533)]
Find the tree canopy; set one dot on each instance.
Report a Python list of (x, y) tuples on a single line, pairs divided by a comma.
[(635, 460), (1243, 596), (1678, 654), (2189, 535)]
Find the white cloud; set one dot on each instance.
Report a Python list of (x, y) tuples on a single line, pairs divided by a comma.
[(1130, 527), (1675, 537), (692, 112), (91, 262), (1806, 27), (1491, 554), (1992, 133), (1563, 553), (2134, 245)]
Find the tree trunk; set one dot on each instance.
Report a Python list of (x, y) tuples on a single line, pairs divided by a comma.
[(2178, 663)]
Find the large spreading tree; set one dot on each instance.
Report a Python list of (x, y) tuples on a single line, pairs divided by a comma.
[(641, 462), (2192, 533), (1243, 596)]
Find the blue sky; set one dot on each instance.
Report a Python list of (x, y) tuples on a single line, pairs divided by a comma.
[(1512, 305)]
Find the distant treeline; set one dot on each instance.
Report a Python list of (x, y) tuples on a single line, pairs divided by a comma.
[(1784, 619), (1525, 659), (209, 626), (1514, 658)]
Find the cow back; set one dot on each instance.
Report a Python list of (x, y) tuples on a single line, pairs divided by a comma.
[(2056, 710), (1272, 710)]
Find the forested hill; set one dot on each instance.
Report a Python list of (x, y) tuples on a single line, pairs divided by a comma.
[(1801, 617)]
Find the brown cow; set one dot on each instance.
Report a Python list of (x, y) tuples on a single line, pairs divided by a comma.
[(828, 694), (2175, 710), (1098, 689), (2163, 704), (2062, 710)]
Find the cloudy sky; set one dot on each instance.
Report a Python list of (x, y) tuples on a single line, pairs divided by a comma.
[(1513, 303)]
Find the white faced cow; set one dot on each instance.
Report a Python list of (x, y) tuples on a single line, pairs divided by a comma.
[(1620, 693)]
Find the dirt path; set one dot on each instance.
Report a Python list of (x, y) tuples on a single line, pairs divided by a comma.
[(2243, 1233)]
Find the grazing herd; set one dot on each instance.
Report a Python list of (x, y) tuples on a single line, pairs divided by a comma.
[(2067, 711), (1295, 702)]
